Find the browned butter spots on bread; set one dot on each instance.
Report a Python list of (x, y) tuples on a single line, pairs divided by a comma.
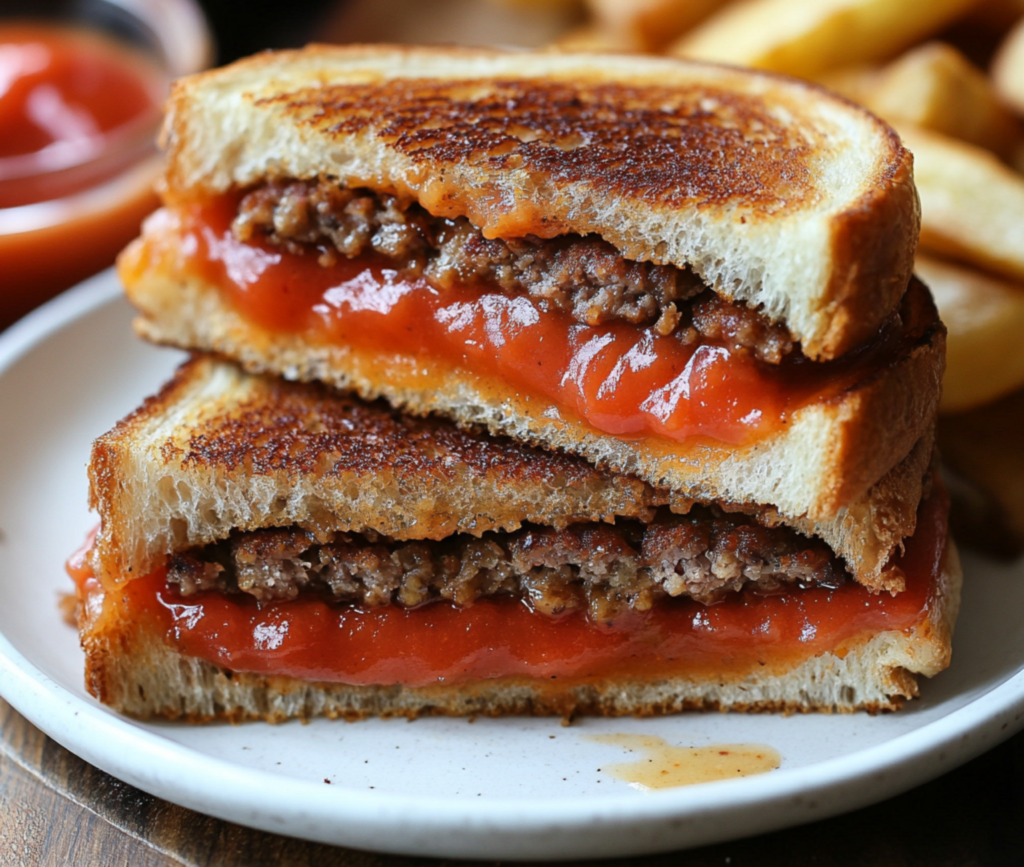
[(697, 146), (664, 766), (310, 429)]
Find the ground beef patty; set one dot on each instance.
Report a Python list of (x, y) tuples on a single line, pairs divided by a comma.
[(581, 275), (704, 555)]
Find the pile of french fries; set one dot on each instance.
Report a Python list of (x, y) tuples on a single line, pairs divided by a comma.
[(949, 76), (962, 122)]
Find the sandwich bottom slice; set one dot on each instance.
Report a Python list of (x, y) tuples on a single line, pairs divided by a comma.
[(272, 550)]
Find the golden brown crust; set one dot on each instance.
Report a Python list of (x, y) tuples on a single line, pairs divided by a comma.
[(870, 274), (671, 162), (308, 428), (574, 132), (218, 451), (892, 408), (868, 532)]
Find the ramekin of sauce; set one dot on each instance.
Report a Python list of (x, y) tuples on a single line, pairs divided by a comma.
[(82, 86)]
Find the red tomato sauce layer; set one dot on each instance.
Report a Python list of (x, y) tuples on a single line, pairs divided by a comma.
[(621, 379), (437, 643)]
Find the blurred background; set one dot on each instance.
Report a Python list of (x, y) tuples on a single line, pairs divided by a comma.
[(705, 28)]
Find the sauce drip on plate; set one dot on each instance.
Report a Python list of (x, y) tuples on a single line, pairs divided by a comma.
[(663, 766)]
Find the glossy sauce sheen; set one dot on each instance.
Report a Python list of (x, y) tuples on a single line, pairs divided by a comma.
[(439, 643), (62, 94), (621, 379), (664, 766)]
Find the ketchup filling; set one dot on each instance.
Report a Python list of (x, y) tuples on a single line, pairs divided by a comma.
[(620, 379), (500, 637)]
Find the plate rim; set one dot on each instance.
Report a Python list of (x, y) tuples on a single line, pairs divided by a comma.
[(533, 828)]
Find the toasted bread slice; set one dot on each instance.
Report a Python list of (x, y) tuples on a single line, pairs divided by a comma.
[(131, 668), (218, 450), (773, 191), (824, 459)]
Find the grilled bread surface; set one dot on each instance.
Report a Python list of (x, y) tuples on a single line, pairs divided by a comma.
[(220, 450), (135, 671), (773, 191)]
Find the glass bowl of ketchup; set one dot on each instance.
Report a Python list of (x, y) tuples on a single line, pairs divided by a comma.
[(82, 86)]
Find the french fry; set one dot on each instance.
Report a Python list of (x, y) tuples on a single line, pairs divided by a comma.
[(540, 4), (468, 22), (806, 38), (650, 25), (590, 37), (1008, 68), (934, 86), (854, 82), (972, 205), (984, 346)]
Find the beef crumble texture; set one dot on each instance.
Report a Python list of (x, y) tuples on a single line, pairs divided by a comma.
[(581, 275), (603, 568)]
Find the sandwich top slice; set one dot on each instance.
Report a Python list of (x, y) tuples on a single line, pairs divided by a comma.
[(273, 549), (769, 190), (693, 274)]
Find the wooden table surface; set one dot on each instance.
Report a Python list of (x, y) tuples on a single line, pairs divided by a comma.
[(56, 809)]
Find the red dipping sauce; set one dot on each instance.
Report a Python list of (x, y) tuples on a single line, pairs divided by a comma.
[(70, 102), (79, 115)]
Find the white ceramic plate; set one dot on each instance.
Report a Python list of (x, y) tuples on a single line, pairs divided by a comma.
[(511, 788)]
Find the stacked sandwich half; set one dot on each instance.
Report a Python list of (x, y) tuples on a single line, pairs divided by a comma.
[(522, 383)]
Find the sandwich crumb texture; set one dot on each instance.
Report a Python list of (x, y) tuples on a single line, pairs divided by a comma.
[(218, 449), (824, 460)]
